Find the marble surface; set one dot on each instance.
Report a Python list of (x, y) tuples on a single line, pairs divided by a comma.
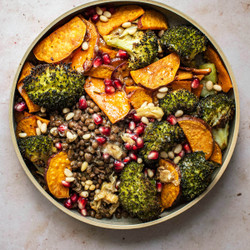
[(220, 221)]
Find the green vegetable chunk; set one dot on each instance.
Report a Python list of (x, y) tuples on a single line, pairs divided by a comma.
[(221, 136)]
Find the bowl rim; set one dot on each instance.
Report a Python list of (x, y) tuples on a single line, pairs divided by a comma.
[(166, 217)]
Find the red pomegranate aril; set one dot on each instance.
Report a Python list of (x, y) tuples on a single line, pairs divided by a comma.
[(95, 18), (159, 186), (128, 131), (172, 119), (83, 212), (182, 153), (126, 160), (106, 58), (122, 54), (82, 103), (139, 130), (187, 148), (118, 166), (136, 118), (105, 130), (134, 137), (66, 184), (153, 155), (105, 156), (195, 83), (21, 106), (58, 145), (146, 172), (68, 203), (97, 62), (81, 202), (101, 140), (133, 156), (128, 146), (74, 198), (108, 82), (151, 120), (139, 142), (131, 125), (97, 119), (134, 147), (117, 83), (62, 128), (117, 184), (109, 89)]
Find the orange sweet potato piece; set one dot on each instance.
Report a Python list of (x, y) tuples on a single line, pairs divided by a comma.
[(198, 90), (175, 85), (103, 71), (111, 52), (21, 115), (138, 95), (62, 42), (198, 134), (27, 125), (183, 75), (127, 13), (82, 59), (170, 191), (116, 106), (216, 155), (223, 77), (153, 20), (55, 175), (159, 73)]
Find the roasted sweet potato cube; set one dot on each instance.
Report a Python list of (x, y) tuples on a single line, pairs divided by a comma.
[(175, 85), (27, 125), (216, 155), (103, 71)]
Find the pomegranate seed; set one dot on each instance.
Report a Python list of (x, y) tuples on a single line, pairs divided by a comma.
[(134, 137), (83, 212), (111, 10), (126, 160), (106, 58), (136, 118), (81, 202), (106, 156), (172, 119), (97, 62), (108, 82), (128, 131), (95, 18), (118, 166), (133, 156), (58, 145), (139, 142), (101, 140), (117, 83), (117, 184), (66, 184), (128, 146), (134, 147), (159, 186), (82, 103), (68, 203), (109, 89), (139, 130), (146, 172), (97, 119), (62, 128), (151, 119), (21, 106), (131, 125), (74, 198), (182, 153), (90, 12), (105, 130), (122, 54), (153, 155), (142, 124), (195, 83), (187, 148)]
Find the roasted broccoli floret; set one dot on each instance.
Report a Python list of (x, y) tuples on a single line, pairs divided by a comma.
[(54, 86), (179, 100), (160, 136), (196, 174), (36, 149), (184, 40), (138, 194), (142, 47), (216, 110)]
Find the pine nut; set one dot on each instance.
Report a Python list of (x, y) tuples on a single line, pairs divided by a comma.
[(97, 191), (98, 10), (89, 182), (151, 105), (38, 131), (69, 179), (84, 194), (160, 33), (164, 155), (217, 87), (85, 46), (43, 128), (160, 49), (84, 166), (43, 110), (209, 85), (144, 104), (178, 113), (69, 116), (54, 131), (132, 30), (66, 110), (107, 14), (86, 136), (177, 159), (163, 90), (126, 25), (145, 120), (69, 135), (67, 172), (103, 19), (160, 95), (139, 160), (22, 135), (150, 173), (92, 187), (39, 123), (171, 154), (178, 149), (83, 183), (86, 187)]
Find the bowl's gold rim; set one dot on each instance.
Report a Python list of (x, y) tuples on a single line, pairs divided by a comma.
[(167, 217)]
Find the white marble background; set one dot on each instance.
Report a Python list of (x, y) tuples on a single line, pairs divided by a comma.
[(220, 221)]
